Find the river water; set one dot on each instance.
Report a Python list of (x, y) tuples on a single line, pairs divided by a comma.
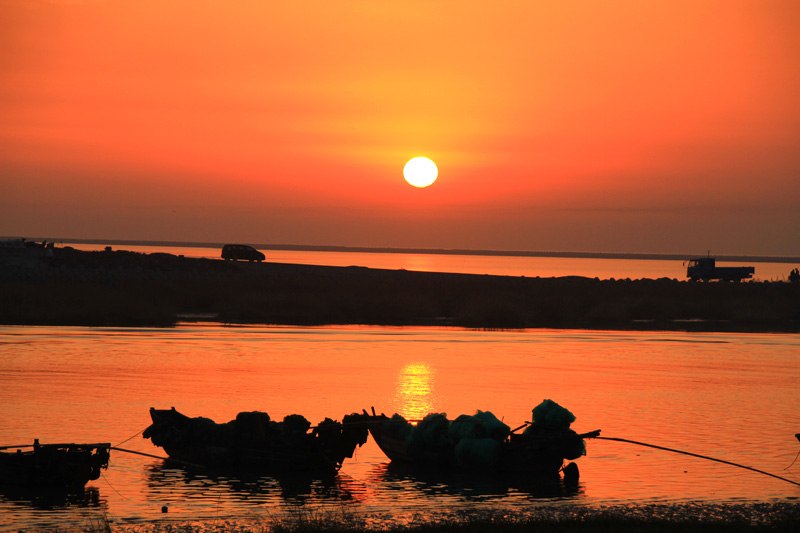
[(730, 396)]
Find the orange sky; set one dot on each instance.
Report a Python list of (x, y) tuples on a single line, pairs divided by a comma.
[(634, 126)]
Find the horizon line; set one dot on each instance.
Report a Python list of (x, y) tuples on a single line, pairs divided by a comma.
[(434, 251)]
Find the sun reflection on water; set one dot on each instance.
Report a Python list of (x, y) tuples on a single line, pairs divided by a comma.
[(415, 397)]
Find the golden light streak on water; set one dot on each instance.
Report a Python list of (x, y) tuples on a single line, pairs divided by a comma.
[(415, 395)]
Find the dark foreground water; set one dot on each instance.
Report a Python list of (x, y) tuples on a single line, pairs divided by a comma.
[(731, 396)]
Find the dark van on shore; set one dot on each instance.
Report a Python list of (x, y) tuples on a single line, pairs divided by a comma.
[(234, 252)]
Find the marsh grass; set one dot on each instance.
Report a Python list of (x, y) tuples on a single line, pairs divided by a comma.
[(683, 518)]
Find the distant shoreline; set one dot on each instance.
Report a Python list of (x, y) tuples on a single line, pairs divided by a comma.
[(123, 288), (433, 251)]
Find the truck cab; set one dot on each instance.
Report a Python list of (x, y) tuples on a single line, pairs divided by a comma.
[(706, 269), (700, 268)]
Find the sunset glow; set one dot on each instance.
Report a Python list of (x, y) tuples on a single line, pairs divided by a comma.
[(613, 126)]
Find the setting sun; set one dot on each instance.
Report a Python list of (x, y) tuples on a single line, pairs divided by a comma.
[(420, 172), (287, 122)]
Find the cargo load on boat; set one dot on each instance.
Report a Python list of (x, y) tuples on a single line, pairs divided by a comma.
[(482, 441)]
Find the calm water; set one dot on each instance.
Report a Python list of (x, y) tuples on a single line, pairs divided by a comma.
[(731, 396), (480, 264)]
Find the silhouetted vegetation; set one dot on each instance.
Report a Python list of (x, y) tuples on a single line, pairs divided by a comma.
[(126, 288), (686, 518)]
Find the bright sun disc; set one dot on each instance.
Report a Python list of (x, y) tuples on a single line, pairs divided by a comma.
[(420, 172)]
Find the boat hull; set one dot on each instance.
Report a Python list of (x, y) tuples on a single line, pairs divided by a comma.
[(532, 454), (53, 465), (254, 443)]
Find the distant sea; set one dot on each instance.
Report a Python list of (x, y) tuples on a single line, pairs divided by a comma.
[(492, 262)]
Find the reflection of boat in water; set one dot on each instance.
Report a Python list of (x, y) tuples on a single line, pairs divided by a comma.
[(467, 485), (51, 498), (255, 442), (68, 466), (482, 442), (168, 481)]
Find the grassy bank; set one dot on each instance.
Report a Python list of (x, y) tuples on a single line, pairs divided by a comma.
[(129, 289), (685, 518)]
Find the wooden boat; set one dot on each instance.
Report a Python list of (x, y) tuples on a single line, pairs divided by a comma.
[(254, 442), (52, 465), (482, 442), (536, 453)]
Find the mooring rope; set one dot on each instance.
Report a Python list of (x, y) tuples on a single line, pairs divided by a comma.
[(794, 461), (700, 456), (112, 487), (187, 463), (129, 438), (797, 436)]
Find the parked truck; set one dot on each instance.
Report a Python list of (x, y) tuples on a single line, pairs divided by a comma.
[(705, 269)]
